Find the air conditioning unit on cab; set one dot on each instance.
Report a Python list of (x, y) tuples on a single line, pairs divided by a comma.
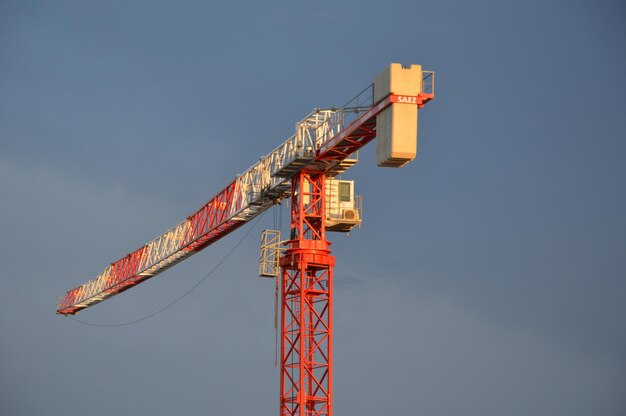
[(349, 218), (351, 214)]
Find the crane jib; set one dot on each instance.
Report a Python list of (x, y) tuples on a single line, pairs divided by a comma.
[(321, 141)]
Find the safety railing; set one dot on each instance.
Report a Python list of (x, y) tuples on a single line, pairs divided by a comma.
[(428, 82), (270, 253)]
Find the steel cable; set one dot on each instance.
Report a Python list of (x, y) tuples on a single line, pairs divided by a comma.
[(181, 296)]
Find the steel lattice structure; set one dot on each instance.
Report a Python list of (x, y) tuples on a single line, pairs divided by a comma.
[(306, 307), (298, 168)]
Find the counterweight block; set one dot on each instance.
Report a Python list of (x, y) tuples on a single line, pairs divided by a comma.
[(396, 126)]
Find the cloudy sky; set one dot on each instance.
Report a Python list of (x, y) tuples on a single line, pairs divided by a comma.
[(489, 277)]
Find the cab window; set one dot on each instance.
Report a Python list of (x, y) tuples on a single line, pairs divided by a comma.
[(344, 191)]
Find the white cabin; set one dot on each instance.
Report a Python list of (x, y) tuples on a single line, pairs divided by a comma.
[(343, 208)]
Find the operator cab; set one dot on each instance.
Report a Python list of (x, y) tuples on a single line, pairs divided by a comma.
[(343, 208)]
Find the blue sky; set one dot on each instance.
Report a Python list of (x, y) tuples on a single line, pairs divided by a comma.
[(488, 277)]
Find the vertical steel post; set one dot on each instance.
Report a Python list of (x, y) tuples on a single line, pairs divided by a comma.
[(306, 303)]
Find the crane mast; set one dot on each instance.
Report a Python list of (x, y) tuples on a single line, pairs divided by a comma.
[(298, 169)]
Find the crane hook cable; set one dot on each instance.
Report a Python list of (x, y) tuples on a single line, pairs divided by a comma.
[(184, 294)]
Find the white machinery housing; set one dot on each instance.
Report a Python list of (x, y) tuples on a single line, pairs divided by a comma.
[(343, 208)]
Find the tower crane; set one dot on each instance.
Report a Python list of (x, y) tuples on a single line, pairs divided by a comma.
[(303, 168)]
